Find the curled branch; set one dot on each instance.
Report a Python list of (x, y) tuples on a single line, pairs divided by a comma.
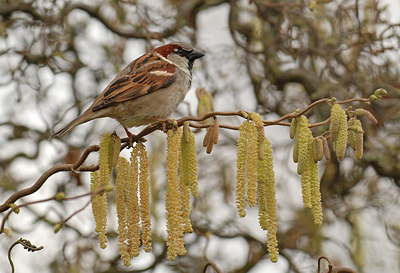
[(27, 245), (213, 265), (333, 268)]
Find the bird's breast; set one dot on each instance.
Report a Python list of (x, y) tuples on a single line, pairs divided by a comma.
[(159, 104)]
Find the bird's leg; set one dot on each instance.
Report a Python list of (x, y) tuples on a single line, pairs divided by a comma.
[(130, 136)]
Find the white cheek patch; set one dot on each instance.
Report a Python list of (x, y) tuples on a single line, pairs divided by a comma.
[(163, 58), (161, 73)]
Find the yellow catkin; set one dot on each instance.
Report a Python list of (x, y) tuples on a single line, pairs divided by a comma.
[(306, 189), (351, 133), (121, 180), (267, 200), (175, 244), (144, 189), (185, 198), (251, 162), (272, 243), (185, 158), (106, 156), (303, 137), (260, 141), (320, 148), (335, 121), (359, 140), (185, 132), (256, 118), (314, 189), (261, 191), (307, 145), (189, 163), (270, 198), (341, 140), (99, 209), (193, 183), (315, 149), (241, 170), (355, 135), (132, 200), (116, 149), (262, 179)]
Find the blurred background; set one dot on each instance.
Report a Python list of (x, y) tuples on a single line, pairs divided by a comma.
[(265, 56)]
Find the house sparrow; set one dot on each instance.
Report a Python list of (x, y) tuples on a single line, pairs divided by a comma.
[(147, 90)]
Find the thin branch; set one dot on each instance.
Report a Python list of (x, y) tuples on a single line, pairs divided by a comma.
[(62, 223), (213, 265), (43, 178), (320, 123), (353, 100), (17, 207), (27, 245)]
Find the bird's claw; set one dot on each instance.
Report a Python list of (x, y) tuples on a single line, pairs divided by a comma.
[(131, 137)]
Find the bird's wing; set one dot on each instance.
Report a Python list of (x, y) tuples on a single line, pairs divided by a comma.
[(145, 75)]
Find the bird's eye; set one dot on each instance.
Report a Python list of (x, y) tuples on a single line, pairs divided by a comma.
[(181, 52)]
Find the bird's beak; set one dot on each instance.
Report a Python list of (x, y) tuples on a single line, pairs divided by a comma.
[(195, 54)]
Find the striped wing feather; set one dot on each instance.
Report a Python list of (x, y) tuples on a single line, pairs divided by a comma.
[(145, 75)]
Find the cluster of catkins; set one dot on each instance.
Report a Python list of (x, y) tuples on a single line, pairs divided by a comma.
[(133, 193), (132, 197), (255, 178), (108, 155), (181, 181), (308, 150), (306, 156)]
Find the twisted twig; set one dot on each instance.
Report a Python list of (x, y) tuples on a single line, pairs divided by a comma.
[(333, 268), (27, 245), (16, 208)]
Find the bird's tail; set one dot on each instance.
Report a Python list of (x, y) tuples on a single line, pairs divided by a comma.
[(85, 117)]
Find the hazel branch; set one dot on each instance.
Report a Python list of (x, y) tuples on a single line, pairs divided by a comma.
[(27, 245), (15, 208), (53, 170), (163, 125)]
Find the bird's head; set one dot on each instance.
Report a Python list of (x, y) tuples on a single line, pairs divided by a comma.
[(180, 54)]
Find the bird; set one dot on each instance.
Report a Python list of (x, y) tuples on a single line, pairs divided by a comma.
[(147, 90)]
